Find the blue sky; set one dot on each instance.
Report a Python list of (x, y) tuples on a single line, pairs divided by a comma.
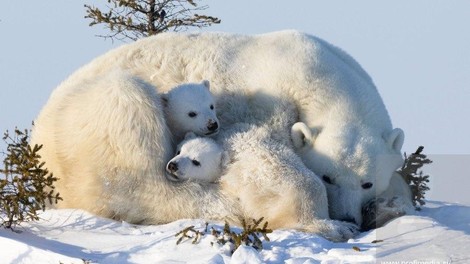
[(417, 52)]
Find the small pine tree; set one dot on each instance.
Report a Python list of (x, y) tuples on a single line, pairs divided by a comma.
[(26, 185), (135, 19), (250, 235), (410, 171)]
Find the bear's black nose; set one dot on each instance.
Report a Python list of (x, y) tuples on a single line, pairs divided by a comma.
[(213, 126), (172, 167)]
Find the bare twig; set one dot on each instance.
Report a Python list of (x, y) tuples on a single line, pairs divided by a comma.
[(135, 19)]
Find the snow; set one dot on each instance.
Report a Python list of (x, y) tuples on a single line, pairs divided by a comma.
[(440, 233)]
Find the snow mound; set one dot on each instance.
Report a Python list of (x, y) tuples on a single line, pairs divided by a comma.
[(439, 233)]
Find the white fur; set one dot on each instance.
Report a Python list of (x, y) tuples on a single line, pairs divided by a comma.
[(197, 158), (105, 138), (190, 107), (350, 157), (269, 180), (394, 202)]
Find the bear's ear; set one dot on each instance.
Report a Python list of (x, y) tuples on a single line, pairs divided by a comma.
[(395, 139), (189, 135), (302, 135), (207, 84)]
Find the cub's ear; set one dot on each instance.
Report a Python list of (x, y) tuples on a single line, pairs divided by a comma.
[(302, 135), (164, 98), (207, 84), (189, 135), (395, 139)]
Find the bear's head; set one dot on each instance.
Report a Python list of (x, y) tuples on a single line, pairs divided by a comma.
[(190, 107), (355, 162), (197, 158)]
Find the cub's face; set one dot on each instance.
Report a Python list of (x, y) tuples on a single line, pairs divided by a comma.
[(355, 166), (191, 108), (199, 159)]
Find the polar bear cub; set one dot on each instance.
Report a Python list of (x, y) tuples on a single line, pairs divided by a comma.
[(190, 107), (197, 158)]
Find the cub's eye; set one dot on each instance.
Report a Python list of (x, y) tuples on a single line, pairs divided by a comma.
[(196, 163), (179, 152), (192, 114), (327, 179), (367, 185), (212, 107)]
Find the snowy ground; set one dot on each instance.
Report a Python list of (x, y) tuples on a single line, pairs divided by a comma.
[(440, 233)]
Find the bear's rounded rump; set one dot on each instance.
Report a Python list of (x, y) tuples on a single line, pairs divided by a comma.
[(98, 138)]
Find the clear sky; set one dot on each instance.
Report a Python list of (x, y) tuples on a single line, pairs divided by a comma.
[(417, 52)]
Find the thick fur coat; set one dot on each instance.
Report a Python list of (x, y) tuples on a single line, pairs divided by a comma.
[(105, 136)]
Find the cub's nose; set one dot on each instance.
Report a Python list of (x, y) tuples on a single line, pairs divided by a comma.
[(213, 126), (172, 167)]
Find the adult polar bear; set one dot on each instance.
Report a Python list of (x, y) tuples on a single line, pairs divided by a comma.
[(344, 127)]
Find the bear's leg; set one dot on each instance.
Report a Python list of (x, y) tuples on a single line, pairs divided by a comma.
[(394, 202)]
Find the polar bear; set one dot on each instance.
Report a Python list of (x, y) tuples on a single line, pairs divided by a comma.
[(107, 140), (197, 158), (190, 107), (351, 167)]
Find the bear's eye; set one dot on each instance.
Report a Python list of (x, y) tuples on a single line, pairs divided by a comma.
[(327, 179), (179, 152), (192, 114), (367, 185), (212, 107), (196, 163)]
